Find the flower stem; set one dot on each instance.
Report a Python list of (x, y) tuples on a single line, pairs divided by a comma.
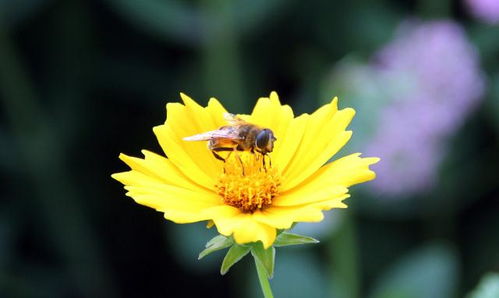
[(221, 56), (264, 282), (344, 256)]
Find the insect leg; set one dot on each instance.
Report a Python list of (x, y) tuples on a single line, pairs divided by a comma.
[(242, 164), (217, 156), (238, 158)]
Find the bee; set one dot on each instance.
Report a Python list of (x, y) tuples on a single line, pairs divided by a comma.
[(238, 135)]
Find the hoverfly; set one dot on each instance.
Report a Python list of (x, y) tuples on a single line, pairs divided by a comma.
[(239, 135)]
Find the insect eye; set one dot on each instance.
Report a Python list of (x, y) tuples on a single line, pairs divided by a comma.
[(262, 138)]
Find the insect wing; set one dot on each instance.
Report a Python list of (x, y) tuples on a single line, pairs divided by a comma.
[(232, 119), (227, 133)]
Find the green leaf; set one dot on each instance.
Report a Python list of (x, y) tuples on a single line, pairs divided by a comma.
[(216, 243), (430, 272), (235, 253), (488, 287), (265, 256), (285, 239)]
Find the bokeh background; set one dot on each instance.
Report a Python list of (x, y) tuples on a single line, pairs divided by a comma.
[(82, 81)]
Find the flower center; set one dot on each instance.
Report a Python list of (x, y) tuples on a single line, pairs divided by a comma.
[(248, 182)]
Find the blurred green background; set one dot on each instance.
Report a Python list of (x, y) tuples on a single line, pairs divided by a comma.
[(82, 81)]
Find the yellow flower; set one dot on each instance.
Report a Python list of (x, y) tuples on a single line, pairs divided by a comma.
[(242, 196)]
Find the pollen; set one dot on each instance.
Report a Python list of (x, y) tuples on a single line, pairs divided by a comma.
[(248, 182)]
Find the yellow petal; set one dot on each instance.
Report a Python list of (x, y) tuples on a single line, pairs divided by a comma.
[(346, 171), (192, 158), (284, 217), (178, 204), (325, 192), (269, 113), (287, 145), (324, 136), (203, 118), (245, 229), (179, 212), (182, 156), (160, 168), (216, 109), (221, 212), (182, 217), (329, 204), (330, 182)]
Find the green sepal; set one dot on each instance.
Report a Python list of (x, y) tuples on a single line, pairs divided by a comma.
[(285, 239), (234, 255), (265, 256), (216, 243)]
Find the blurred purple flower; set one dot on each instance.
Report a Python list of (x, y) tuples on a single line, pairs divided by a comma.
[(409, 151), (485, 10), (433, 77)]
